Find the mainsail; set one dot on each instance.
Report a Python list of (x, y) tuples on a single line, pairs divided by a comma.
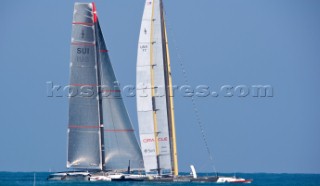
[(154, 94), (100, 134)]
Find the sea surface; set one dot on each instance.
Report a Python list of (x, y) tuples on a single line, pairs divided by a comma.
[(261, 179)]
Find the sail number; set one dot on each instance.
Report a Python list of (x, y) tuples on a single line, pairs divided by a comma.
[(83, 50), (144, 48)]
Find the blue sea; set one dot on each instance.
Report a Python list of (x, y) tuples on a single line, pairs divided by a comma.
[(261, 179)]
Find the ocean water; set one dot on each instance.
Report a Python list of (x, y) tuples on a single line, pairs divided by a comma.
[(27, 179)]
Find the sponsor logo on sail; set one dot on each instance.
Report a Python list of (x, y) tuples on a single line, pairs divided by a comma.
[(149, 151), (151, 140)]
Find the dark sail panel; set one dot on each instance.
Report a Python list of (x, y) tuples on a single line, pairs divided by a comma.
[(84, 132), (121, 144)]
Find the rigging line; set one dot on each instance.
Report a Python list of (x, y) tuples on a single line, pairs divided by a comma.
[(194, 105)]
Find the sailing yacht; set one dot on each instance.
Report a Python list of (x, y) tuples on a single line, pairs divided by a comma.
[(101, 139), (155, 101)]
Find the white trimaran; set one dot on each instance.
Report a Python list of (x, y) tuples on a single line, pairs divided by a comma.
[(101, 140)]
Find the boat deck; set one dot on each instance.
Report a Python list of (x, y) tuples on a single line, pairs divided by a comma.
[(85, 176)]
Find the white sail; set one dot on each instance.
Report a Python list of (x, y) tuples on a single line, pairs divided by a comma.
[(151, 92), (144, 94)]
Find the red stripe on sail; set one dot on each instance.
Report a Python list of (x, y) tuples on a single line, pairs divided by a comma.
[(82, 44), (82, 23), (104, 50)]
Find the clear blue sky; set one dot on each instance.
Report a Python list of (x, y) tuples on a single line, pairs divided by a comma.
[(245, 42)]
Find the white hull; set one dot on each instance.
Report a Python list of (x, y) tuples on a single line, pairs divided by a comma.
[(70, 176), (99, 176), (232, 180)]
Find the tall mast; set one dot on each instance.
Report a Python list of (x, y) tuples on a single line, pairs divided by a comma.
[(169, 94), (98, 67), (153, 93)]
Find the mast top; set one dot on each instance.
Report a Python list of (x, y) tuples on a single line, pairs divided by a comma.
[(94, 10)]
